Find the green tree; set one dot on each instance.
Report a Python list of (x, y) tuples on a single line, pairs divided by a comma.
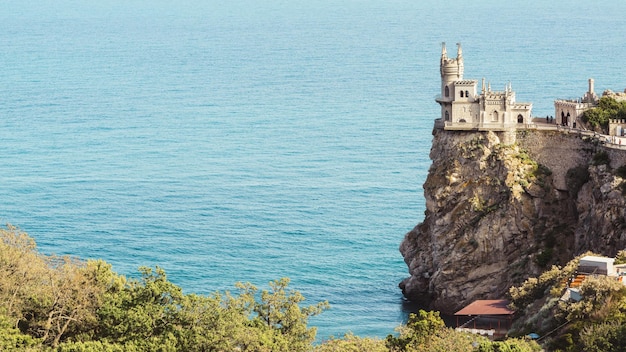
[(142, 312), (74, 291), (603, 298), (426, 331), (510, 345), (620, 257), (279, 308), (21, 271), (604, 337), (352, 343), (48, 297), (608, 108), (12, 339)]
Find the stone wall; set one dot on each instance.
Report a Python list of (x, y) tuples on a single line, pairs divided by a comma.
[(557, 151), (560, 151)]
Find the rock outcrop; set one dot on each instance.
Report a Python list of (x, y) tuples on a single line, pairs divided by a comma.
[(497, 213)]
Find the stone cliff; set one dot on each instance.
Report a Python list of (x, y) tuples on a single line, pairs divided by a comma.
[(498, 212)]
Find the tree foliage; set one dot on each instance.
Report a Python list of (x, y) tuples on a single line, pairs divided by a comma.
[(66, 304), (594, 322), (426, 331), (351, 343), (608, 108), (12, 339), (63, 304)]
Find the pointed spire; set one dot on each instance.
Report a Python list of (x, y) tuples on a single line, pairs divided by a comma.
[(459, 51), (483, 89), (444, 53), (489, 87)]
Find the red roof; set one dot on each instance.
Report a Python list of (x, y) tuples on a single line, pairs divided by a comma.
[(486, 307)]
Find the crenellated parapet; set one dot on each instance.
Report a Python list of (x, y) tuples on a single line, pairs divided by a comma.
[(617, 127)]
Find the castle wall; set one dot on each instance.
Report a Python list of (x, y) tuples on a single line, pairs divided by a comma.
[(465, 112), (617, 127), (568, 112)]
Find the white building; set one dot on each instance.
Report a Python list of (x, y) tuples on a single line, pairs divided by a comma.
[(591, 264), (463, 109), (568, 112)]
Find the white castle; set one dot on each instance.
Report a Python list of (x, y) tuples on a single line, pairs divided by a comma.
[(569, 111), (463, 109)]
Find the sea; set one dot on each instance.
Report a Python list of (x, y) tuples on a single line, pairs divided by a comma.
[(250, 140)]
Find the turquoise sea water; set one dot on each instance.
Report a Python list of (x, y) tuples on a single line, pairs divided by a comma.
[(251, 140)]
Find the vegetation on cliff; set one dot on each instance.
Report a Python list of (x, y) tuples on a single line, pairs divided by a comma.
[(597, 322), (50, 303), (500, 209), (493, 217), (608, 108)]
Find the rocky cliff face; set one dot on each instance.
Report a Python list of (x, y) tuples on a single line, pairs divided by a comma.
[(497, 213)]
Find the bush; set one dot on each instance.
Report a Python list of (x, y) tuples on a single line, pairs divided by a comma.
[(602, 298), (534, 288), (601, 158), (620, 257), (351, 343), (544, 257), (606, 337), (517, 345), (608, 108), (543, 170), (621, 171)]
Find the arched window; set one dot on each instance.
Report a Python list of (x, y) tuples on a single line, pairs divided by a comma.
[(447, 116), (494, 116), (461, 94), (466, 94), (447, 91), (520, 118)]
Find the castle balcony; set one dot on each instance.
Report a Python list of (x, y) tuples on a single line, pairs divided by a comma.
[(439, 99)]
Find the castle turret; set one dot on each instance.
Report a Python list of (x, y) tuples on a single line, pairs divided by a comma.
[(590, 97), (451, 71)]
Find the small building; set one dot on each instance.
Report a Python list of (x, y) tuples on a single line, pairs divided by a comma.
[(596, 265), (486, 317)]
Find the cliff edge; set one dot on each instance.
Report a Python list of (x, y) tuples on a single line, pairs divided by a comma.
[(497, 213)]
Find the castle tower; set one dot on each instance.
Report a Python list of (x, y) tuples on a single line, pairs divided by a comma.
[(451, 71), (590, 97)]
